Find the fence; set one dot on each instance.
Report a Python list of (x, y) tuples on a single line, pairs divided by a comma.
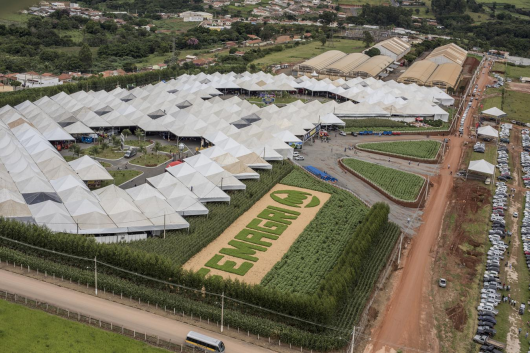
[(108, 326), (183, 316)]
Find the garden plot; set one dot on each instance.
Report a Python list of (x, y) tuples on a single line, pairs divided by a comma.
[(249, 248)]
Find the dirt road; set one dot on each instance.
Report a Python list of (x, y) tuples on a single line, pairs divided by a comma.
[(408, 322), (122, 315)]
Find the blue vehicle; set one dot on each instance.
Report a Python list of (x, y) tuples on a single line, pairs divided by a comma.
[(87, 139), (387, 132)]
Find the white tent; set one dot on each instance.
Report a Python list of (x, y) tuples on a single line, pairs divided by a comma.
[(205, 190), (496, 112), (54, 216), (488, 131), (78, 128), (331, 119), (89, 169), (215, 173), (481, 166), (161, 213)]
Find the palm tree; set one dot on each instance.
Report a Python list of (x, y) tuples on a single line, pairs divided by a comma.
[(143, 150)]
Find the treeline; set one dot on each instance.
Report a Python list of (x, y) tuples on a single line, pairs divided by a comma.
[(319, 307), (147, 6), (383, 16)]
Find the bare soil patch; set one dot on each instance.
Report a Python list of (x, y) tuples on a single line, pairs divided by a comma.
[(520, 87), (274, 253)]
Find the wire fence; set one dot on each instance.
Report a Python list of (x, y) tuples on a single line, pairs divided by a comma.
[(183, 316), (91, 321)]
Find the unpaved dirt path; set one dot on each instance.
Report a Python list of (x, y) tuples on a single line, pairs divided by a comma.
[(408, 321)]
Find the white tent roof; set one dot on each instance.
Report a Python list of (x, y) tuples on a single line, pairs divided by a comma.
[(205, 190), (482, 166), (160, 213), (494, 112), (78, 128), (215, 173), (488, 131), (89, 169)]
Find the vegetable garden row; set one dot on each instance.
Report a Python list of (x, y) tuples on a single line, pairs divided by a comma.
[(328, 272), (382, 124), (402, 185), (425, 149)]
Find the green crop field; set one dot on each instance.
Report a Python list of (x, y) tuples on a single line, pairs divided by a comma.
[(378, 125), (316, 250), (517, 71), (417, 149), (402, 185), (28, 330), (306, 51)]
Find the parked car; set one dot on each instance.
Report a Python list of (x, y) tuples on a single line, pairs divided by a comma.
[(442, 283), (299, 158), (130, 153)]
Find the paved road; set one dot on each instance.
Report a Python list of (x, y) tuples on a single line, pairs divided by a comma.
[(408, 319), (115, 313), (325, 155)]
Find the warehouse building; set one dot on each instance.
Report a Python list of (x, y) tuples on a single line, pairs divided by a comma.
[(450, 53), (335, 63), (441, 68), (394, 48)]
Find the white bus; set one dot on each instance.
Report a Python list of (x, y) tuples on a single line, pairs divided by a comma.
[(204, 343)]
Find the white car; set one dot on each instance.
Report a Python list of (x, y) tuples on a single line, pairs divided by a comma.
[(299, 158), (342, 133), (295, 154)]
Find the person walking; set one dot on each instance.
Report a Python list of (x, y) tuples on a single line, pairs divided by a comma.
[(520, 330)]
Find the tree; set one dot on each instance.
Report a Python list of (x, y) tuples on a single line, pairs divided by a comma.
[(85, 56), (129, 67), (138, 133), (104, 146), (323, 39), (94, 150), (126, 132), (157, 147), (100, 140), (144, 151), (16, 83), (367, 38), (373, 52), (76, 150), (232, 50), (417, 11), (115, 141)]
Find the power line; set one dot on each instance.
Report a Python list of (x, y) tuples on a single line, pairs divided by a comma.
[(174, 284)]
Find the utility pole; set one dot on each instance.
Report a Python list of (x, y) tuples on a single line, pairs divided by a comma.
[(222, 309), (352, 344), (164, 225), (96, 274)]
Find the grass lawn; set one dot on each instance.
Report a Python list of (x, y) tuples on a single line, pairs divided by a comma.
[(120, 177), (136, 143), (278, 100), (516, 71), (498, 67), (28, 330), (306, 51), (516, 105), (13, 18), (423, 11), (154, 59), (518, 3), (71, 158), (106, 154), (150, 159)]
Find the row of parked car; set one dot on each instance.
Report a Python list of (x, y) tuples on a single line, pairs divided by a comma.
[(525, 157), (490, 295), (464, 116), (502, 163), (504, 134)]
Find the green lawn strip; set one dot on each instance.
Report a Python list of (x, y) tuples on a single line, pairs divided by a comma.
[(108, 153), (417, 149), (120, 177), (30, 330), (150, 159), (489, 155), (137, 143), (318, 247), (171, 149), (402, 185)]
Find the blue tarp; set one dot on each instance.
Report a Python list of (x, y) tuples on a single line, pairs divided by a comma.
[(322, 175)]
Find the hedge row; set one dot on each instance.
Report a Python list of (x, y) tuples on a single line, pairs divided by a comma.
[(234, 318)]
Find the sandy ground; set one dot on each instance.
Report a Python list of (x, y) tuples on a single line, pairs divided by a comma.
[(274, 253), (520, 87), (408, 321)]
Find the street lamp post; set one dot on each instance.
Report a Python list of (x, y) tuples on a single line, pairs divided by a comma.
[(96, 274)]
